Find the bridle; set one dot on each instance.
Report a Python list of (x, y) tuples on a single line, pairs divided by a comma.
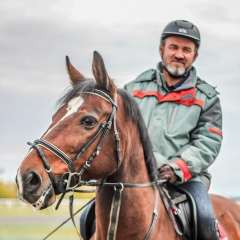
[(68, 181)]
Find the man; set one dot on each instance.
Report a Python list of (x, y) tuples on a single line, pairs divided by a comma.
[(184, 118)]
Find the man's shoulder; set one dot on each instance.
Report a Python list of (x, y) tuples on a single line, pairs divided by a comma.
[(206, 88), (141, 80), (148, 75)]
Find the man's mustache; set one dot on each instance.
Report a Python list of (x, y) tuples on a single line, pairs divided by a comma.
[(181, 60)]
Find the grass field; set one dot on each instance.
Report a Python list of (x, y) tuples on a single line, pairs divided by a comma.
[(21, 222)]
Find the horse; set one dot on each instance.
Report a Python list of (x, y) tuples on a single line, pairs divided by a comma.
[(227, 212), (98, 136)]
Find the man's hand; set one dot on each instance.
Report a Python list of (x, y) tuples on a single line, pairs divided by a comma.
[(166, 172)]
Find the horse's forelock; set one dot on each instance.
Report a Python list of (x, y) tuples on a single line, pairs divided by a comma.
[(81, 88)]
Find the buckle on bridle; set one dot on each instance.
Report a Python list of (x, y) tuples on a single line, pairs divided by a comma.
[(71, 181), (48, 170), (67, 182)]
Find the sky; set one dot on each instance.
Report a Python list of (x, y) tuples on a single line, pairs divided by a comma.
[(36, 36)]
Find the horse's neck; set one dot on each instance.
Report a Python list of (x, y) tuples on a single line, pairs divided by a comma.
[(133, 167), (137, 204), (132, 170)]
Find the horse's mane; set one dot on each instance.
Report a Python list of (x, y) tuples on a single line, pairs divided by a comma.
[(133, 112)]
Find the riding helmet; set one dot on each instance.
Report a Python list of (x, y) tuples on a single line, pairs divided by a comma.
[(182, 28)]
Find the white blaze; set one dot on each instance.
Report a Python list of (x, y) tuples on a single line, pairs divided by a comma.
[(72, 107), (19, 180)]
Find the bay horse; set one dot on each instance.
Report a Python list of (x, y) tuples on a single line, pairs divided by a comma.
[(98, 134)]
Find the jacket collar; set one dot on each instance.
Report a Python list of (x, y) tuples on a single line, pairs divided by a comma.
[(190, 82)]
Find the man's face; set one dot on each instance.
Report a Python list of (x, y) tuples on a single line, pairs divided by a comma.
[(178, 54)]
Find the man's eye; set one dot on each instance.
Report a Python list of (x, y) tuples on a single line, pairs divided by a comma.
[(88, 121)]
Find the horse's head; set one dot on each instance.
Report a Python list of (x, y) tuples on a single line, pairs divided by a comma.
[(76, 132)]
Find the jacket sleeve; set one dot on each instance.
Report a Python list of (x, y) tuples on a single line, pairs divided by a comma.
[(204, 146)]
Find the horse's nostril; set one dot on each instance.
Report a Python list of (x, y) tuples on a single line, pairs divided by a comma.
[(33, 182)]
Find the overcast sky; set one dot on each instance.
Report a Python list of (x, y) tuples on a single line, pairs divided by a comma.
[(35, 37)]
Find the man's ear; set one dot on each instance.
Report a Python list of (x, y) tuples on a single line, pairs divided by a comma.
[(195, 57), (161, 50)]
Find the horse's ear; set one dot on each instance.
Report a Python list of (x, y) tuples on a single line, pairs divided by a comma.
[(74, 74), (100, 74)]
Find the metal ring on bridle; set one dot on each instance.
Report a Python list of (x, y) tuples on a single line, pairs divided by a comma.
[(121, 185)]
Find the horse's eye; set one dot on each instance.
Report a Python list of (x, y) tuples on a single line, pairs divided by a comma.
[(88, 121)]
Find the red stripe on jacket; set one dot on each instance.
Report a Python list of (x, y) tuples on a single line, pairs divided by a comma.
[(215, 131), (176, 97), (138, 93), (184, 168)]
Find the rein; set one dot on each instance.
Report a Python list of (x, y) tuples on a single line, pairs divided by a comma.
[(68, 181)]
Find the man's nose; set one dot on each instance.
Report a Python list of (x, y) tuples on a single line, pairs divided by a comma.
[(179, 54)]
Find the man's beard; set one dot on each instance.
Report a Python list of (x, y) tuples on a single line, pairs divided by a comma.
[(176, 71)]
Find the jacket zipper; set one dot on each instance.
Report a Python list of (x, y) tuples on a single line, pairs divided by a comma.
[(171, 119)]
